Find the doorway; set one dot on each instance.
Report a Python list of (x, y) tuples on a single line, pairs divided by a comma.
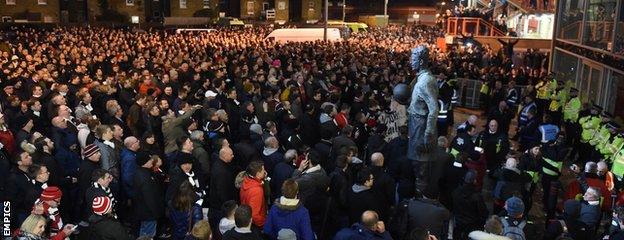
[(294, 10), (591, 82)]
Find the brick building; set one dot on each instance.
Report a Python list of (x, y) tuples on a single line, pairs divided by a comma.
[(30, 10)]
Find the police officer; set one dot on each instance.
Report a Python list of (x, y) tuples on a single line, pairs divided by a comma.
[(548, 130), (529, 104), (531, 163), (589, 125), (571, 112), (513, 96), (552, 162), (463, 143), (445, 94)]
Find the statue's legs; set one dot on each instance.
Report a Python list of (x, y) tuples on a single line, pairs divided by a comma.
[(416, 127)]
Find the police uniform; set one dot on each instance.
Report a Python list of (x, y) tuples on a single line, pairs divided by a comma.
[(589, 126), (571, 112)]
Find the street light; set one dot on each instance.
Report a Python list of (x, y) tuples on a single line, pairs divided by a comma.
[(325, 26)]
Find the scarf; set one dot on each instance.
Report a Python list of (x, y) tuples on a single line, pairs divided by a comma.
[(195, 183), (37, 113)]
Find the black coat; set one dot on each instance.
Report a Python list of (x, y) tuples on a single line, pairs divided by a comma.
[(361, 201), (245, 153), (91, 193), (384, 187), (148, 196), (469, 208), (84, 175), (222, 188), (282, 172), (452, 178), (234, 235), (106, 228), (18, 184), (428, 214)]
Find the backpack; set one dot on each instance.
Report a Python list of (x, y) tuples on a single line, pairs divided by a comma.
[(513, 229)]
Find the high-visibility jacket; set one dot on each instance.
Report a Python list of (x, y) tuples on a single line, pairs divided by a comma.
[(443, 111), (558, 99), (512, 97), (589, 126), (524, 113), (572, 109), (601, 136), (551, 161), (618, 164), (614, 147)]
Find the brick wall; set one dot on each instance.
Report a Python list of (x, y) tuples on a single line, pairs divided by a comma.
[(48, 12), (192, 6)]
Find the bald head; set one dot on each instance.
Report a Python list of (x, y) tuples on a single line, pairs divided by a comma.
[(472, 119), (377, 159), (226, 154), (370, 219)]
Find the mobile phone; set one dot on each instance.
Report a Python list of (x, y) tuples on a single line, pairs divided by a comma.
[(74, 228)]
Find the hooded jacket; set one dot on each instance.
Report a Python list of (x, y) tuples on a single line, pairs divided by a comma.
[(481, 235), (291, 214), (252, 194)]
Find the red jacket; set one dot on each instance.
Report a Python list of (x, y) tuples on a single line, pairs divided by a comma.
[(574, 191), (8, 140), (252, 194)]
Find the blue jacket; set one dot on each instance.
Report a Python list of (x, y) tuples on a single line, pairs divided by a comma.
[(66, 144), (182, 223), (359, 232), (281, 173), (128, 168), (271, 157), (294, 217)]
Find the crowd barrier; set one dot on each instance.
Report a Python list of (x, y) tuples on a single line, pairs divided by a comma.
[(469, 92)]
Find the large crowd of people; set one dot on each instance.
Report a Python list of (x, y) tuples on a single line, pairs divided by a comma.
[(112, 133)]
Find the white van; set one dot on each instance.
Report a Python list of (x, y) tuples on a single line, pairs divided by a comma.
[(303, 34)]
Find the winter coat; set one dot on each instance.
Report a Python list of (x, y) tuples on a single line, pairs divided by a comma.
[(148, 196), (110, 159), (66, 147), (470, 210), (177, 177), (18, 184), (361, 199), (452, 178), (106, 228), (128, 168), (290, 214), (311, 181), (182, 222), (359, 232), (282, 172), (202, 161), (271, 157), (222, 188), (252, 194), (428, 214), (175, 128), (384, 187)]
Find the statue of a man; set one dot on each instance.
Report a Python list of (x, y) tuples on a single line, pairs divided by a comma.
[(422, 116)]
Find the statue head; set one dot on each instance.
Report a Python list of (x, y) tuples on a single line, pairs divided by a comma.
[(420, 58), (401, 93)]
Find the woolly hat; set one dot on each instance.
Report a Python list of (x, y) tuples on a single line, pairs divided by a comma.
[(51, 193), (90, 150), (101, 205), (184, 158), (142, 157), (514, 206)]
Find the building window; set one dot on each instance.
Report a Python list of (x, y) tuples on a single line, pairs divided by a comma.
[(10, 2), (183, 4), (129, 2), (206, 3), (42, 2)]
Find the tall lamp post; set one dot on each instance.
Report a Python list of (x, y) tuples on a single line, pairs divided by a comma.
[(325, 25)]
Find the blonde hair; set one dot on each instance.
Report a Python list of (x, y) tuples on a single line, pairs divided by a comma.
[(31, 222), (201, 230)]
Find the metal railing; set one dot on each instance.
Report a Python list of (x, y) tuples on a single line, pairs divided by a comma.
[(475, 26)]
